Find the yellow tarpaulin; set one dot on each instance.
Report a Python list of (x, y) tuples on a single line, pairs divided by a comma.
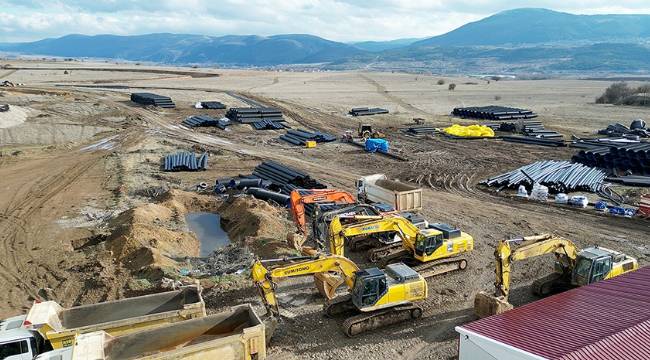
[(469, 131)]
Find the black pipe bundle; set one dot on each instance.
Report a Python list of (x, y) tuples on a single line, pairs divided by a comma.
[(152, 99), (493, 112), (253, 115), (530, 140), (200, 120), (285, 178), (420, 130), (268, 125), (618, 157), (364, 111), (212, 105), (185, 161), (264, 194), (300, 137)]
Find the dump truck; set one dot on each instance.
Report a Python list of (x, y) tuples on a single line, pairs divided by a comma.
[(378, 188), (47, 325), (236, 334)]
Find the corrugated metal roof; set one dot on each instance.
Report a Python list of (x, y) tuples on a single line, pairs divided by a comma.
[(606, 320)]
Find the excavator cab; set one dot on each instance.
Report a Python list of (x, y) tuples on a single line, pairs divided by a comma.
[(374, 288), (592, 265), (369, 286), (427, 244)]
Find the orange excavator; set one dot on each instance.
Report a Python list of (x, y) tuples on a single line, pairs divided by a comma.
[(299, 198)]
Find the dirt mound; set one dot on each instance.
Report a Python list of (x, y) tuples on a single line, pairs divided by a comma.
[(258, 225), (147, 239)]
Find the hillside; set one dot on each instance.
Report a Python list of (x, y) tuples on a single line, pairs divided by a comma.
[(186, 49), (534, 26), (514, 41)]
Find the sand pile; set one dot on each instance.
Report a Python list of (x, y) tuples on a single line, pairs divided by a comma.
[(258, 225), (148, 238)]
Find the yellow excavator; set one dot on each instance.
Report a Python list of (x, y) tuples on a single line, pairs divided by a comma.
[(430, 251), (376, 298), (573, 268)]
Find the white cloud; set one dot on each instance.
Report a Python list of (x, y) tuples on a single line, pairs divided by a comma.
[(342, 20)]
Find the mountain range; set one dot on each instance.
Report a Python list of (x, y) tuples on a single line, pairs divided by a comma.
[(520, 40)]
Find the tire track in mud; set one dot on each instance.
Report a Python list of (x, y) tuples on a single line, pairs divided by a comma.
[(17, 232), (381, 90)]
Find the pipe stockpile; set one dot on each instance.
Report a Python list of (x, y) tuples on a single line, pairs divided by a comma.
[(622, 157), (253, 115), (530, 140), (212, 105), (364, 111), (300, 137), (259, 118), (631, 180), (285, 178), (420, 130), (637, 129), (493, 112), (185, 161), (152, 99), (530, 128), (200, 120), (268, 125), (558, 176)]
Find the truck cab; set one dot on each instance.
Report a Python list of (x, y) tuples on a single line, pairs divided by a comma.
[(18, 343)]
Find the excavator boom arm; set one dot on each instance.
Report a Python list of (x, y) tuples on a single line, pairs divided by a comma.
[(368, 225), (265, 279), (298, 202)]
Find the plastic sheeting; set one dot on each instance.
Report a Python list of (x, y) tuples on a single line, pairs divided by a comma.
[(469, 131)]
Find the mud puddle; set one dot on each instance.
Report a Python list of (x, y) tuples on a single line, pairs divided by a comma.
[(207, 227)]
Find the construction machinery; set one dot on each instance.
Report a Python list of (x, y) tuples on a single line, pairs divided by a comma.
[(320, 220), (234, 334), (300, 197), (573, 268), (378, 188), (431, 251), (376, 298), (365, 131)]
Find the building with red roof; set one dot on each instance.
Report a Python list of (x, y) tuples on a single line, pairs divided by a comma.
[(606, 320)]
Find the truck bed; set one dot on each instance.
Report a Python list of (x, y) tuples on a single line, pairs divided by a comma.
[(85, 315), (235, 334), (60, 326)]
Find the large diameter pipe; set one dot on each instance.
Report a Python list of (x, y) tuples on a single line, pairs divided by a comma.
[(264, 194)]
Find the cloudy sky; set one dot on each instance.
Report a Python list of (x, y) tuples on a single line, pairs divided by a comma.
[(342, 20)]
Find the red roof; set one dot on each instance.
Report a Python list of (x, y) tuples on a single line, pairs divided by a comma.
[(607, 320)]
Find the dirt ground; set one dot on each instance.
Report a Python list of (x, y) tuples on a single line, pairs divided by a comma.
[(87, 214)]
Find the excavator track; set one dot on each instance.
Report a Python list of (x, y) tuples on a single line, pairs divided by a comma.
[(386, 253), (443, 266), (339, 305), (365, 322)]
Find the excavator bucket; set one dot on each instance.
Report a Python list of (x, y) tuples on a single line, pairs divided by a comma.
[(296, 240), (487, 305), (327, 283)]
